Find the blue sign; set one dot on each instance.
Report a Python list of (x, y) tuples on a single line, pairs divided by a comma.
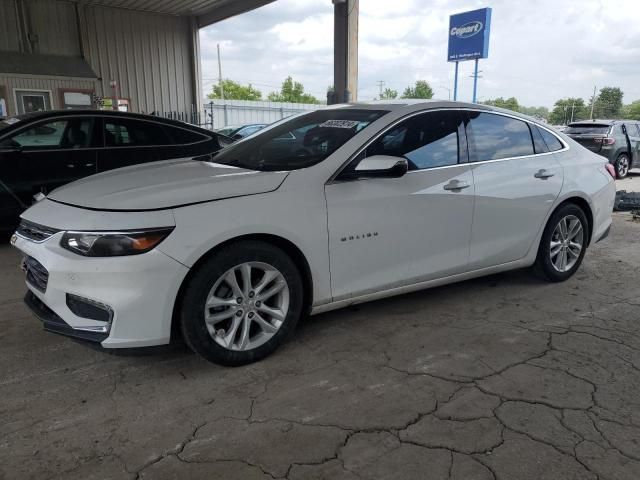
[(469, 35)]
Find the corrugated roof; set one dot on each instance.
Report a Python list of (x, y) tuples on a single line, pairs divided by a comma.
[(56, 65), (207, 11)]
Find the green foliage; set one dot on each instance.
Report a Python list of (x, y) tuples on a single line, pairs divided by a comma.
[(537, 112), (632, 111), (509, 103), (389, 94), (292, 92), (608, 103), (422, 89), (567, 109), (235, 91)]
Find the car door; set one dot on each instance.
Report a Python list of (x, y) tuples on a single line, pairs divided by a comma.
[(43, 156), (391, 232), (515, 187), (633, 138), (130, 141)]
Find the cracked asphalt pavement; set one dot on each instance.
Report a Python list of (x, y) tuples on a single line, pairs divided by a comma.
[(504, 377)]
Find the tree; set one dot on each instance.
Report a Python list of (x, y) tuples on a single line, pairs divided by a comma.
[(389, 94), (569, 109), (509, 103), (422, 89), (292, 92), (538, 112), (608, 104), (632, 111), (235, 91)]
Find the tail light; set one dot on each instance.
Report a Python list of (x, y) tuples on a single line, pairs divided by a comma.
[(605, 140), (611, 170)]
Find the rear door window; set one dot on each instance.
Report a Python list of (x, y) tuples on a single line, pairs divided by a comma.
[(551, 140), (125, 132), (493, 137), (539, 144), (182, 136)]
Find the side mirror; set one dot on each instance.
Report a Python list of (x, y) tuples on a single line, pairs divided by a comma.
[(381, 166), (237, 136)]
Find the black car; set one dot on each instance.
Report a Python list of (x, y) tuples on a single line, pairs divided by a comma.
[(41, 151)]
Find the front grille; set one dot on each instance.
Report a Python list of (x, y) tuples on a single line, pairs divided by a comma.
[(35, 232), (37, 275)]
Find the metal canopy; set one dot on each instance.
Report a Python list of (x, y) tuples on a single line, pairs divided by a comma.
[(205, 11)]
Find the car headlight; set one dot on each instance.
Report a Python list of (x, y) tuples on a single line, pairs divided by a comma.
[(112, 244)]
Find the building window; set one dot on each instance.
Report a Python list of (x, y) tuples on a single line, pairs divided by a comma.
[(29, 101), (76, 99), (4, 102)]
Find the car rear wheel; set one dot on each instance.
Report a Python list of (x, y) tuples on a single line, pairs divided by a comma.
[(242, 303), (563, 244), (622, 166)]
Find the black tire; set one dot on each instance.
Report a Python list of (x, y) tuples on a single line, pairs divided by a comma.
[(621, 170), (544, 267), (196, 291)]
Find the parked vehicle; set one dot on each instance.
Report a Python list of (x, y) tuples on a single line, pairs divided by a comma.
[(616, 140), (368, 201), (41, 151), (236, 132)]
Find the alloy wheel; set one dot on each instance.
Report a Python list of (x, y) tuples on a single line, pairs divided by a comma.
[(246, 306), (623, 166), (567, 242)]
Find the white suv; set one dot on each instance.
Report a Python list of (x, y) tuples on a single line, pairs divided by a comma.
[(322, 210)]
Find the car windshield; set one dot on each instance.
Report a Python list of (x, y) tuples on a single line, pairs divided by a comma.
[(587, 129), (228, 131), (299, 142)]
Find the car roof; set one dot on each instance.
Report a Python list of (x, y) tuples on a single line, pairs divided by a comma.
[(36, 116)]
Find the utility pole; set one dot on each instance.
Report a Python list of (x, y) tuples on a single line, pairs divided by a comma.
[(573, 105), (476, 75), (593, 101), (380, 84), (220, 75)]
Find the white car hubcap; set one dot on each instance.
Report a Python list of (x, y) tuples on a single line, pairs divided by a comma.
[(247, 306)]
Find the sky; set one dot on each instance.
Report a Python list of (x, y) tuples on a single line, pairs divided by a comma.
[(540, 50)]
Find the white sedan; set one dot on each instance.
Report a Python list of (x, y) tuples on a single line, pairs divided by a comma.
[(326, 209)]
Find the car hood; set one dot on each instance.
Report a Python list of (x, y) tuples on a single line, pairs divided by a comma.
[(166, 184)]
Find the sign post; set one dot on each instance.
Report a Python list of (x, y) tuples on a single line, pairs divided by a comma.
[(455, 84), (469, 40)]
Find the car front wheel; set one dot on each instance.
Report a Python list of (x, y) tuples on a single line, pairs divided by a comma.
[(622, 166), (241, 303), (563, 244)]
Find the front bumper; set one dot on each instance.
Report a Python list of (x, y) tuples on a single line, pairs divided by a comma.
[(139, 290), (53, 323)]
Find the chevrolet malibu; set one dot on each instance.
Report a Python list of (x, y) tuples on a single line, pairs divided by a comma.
[(326, 209)]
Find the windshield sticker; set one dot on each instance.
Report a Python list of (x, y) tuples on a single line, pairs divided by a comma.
[(339, 124)]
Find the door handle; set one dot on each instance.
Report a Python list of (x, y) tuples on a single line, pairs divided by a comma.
[(70, 165), (456, 185), (543, 174), (88, 164)]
